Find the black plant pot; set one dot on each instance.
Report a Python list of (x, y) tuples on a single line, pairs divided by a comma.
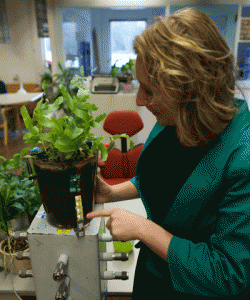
[(60, 183)]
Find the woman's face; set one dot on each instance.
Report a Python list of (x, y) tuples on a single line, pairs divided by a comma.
[(163, 113)]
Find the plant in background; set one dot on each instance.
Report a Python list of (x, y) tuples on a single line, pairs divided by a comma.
[(17, 197), (64, 78), (25, 196), (47, 77), (67, 138), (128, 66), (9, 244), (114, 69)]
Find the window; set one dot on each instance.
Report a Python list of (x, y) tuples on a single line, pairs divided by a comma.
[(122, 35), (69, 30), (47, 55)]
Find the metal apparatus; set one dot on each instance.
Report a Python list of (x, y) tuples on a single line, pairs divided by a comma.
[(69, 264)]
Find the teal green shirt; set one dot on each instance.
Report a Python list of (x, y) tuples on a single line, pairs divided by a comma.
[(209, 254)]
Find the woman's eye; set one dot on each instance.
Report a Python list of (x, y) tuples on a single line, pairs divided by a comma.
[(148, 92)]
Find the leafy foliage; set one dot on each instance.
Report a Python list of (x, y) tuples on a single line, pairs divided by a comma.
[(67, 137), (114, 69), (128, 66), (17, 197), (64, 78)]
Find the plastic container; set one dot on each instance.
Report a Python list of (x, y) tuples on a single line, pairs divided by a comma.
[(123, 246), (58, 188)]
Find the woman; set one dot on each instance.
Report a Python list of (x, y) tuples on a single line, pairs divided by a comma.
[(193, 174)]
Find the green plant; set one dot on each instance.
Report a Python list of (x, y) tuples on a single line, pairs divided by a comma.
[(17, 197), (128, 66), (24, 196), (64, 78), (47, 77), (67, 137), (13, 245), (114, 69)]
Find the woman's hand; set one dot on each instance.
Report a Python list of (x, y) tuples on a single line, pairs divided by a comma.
[(122, 224), (103, 191)]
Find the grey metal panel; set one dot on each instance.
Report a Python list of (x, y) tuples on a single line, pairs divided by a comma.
[(47, 244)]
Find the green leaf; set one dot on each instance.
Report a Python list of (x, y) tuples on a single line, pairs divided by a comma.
[(82, 71), (104, 151), (115, 137), (66, 96), (82, 96), (45, 85), (4, 159), (111, 145), (28, 121), (18, 206), (73, 131), (94, 124), (31, 139), (91, 107), (100, 118), (77, 84), (97, 142), (55, 105)]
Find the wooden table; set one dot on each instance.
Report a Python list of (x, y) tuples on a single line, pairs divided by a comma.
[(15, 101)]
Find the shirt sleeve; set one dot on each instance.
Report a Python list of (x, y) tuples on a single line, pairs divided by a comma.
[(221, 265)]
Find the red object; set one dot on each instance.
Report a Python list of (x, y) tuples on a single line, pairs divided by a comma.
[(120, 165)]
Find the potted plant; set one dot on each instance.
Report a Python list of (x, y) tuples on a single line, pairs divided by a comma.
[(128, 67), (26, 199), (17, 198), (114, 69), (67, 156)]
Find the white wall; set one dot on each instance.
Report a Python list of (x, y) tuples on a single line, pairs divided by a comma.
[(22, 56)]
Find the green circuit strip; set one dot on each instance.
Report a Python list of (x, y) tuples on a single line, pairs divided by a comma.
[(75, 183)]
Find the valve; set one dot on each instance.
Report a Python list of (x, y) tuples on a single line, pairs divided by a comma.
[(109, 275), (19, 235), (105, 237), (61, 267), (25, 273), (22, 255), (114, 256), (62, 293)]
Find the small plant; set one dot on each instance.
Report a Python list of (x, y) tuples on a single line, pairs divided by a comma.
[(64, 77), (16, 198), (114, 69), (47, 77), (67, 137), (24, 195), (128, 66)]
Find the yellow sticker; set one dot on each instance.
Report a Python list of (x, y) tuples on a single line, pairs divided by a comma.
[(64, 231)]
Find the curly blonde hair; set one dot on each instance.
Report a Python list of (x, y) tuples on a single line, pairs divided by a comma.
[(185, 54)]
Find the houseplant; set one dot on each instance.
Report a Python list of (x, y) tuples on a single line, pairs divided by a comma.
[(17, 197), (69, 152), (114, 69), (128, 67), (25, 196), (9, 246)]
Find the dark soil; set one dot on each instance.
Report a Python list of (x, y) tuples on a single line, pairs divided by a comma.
[(16, 245)]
